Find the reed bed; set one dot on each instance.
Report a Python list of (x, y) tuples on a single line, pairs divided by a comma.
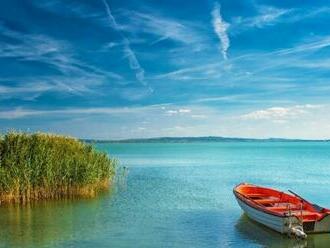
[(46, 166)]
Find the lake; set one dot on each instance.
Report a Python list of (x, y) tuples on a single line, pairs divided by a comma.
[(177, 195)]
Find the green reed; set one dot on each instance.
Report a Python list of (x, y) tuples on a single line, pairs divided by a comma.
[(46, 166)]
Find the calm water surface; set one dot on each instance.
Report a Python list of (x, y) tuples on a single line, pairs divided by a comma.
[(178, 195)]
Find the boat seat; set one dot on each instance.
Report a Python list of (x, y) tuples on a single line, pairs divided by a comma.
[(281, 208), (267, 201), (306, 214), (255, 195), (285, 204)]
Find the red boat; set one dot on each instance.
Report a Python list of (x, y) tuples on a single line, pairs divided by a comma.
[(283, 212)]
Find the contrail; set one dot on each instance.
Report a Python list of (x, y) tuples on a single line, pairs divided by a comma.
[(133, 62), (220, 28)]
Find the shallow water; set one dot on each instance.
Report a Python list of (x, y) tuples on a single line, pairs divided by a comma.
[(178, 195)]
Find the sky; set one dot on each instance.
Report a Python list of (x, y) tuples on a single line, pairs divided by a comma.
[(110, 69)]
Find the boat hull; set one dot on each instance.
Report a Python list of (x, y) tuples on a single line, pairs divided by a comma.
[(320, 226), (277, 223)]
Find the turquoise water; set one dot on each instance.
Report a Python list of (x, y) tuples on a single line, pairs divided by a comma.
[(178, 195)]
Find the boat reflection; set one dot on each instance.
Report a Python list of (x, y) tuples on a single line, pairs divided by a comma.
[(257, 233)]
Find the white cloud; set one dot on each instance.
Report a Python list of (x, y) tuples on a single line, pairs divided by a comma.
[(178, 111), (171, 112), (280, 113), (198, 116), (184, 110), (220, 28), (280, 121)]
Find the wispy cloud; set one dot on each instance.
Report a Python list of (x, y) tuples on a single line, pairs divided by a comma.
[(280, 113), (270, 15), (280, 72), (35, 87), (77, 9), (206, 71), (31, 88), (319, 43), (220, 28), (161, 27), (20, 112), (27, 91), (111, 18), (134, 64), (267, 15), (55, 55)]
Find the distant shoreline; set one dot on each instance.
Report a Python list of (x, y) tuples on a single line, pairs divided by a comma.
[(198, 139)]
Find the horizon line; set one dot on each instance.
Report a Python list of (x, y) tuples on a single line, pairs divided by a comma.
[(202, 137)]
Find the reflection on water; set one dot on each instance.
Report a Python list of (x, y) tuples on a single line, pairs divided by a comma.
[(264, 236), (33, 224), (121, 177), (261, 235), (47, 222)]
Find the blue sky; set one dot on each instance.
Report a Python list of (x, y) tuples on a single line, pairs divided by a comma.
[(122, 69)]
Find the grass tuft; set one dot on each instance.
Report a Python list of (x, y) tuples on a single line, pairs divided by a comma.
[(46, 166)]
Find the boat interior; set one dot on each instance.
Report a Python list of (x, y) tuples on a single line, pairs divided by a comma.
[(280, 202)]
